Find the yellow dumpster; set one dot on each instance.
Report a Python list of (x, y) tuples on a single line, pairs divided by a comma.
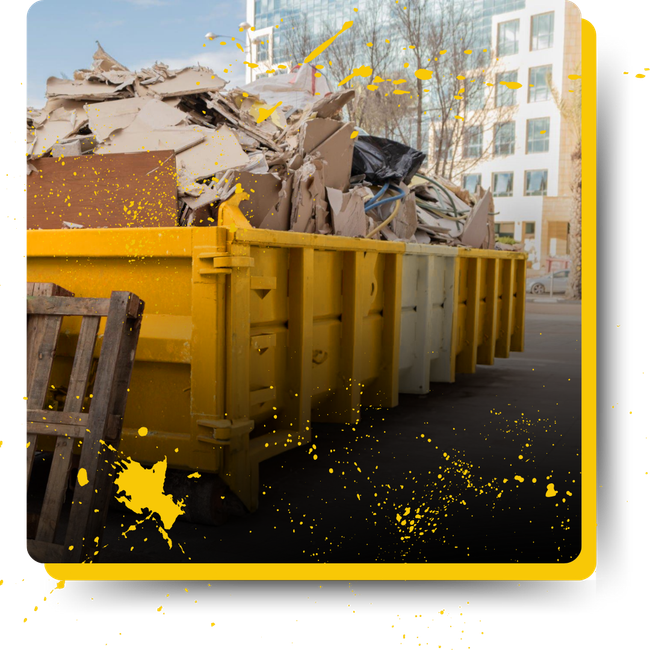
[(249, 336), (460, 307)]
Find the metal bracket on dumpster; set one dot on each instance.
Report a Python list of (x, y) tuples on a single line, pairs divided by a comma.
[(224, 262), (223, 431)]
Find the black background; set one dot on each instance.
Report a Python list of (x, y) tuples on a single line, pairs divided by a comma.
[(511, 613)]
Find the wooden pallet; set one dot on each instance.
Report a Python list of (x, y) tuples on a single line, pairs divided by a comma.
[(98, 430)]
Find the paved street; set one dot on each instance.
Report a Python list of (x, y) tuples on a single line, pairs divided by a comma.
[(465, 467)]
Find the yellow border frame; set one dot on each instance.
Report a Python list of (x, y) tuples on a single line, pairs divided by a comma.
[(579, 569)]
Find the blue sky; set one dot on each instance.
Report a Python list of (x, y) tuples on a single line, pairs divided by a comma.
[(61, 36)]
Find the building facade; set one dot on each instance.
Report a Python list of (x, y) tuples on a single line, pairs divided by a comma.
[(537, 43), (530, 169)]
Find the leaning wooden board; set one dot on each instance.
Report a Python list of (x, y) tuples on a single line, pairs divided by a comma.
[(113, 190), (98, 429)]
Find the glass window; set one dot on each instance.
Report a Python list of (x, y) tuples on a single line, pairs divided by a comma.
[(471, 182), (475, 94), (541, 31), (536, 182), (473, 143), (530, 228), (508, 38), (506, 96), (537, 135), (502, 183), (263, 51), (505, 229), (504, 139), (539, 83)]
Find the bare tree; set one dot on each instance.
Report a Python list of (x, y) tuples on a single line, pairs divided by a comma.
[(570, 108)]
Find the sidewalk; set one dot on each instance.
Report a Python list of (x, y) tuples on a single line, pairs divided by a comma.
[(555, 299)]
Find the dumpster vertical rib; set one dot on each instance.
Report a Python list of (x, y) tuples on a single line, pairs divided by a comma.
[(443, 367), (345, 405), (62, 459), (487, 347), (466, 361), (300, 341), (385, 389), (507, 309), (517, 341), (238, 468)]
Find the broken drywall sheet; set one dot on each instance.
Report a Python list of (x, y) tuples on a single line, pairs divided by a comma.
[(336, 151), (348, 216), (315, 132), (106, 117), (476, 227), (405, 222), (89, 90), (331, 104), (219, 150), (309, 207), (59, 125), (188, 81), (278, 216)]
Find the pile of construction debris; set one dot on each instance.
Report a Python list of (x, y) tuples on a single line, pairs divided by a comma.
[(240, 161)]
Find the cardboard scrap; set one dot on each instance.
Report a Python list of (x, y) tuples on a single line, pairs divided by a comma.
[(476, 228), (309, 207), (348, 216)]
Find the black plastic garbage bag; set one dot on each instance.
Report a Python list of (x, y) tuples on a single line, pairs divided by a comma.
[(385, 161)]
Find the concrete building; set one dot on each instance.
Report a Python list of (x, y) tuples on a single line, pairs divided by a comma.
[(529, 166), (530, 169)]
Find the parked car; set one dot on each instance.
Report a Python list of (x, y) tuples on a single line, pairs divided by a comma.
[(542, 284)]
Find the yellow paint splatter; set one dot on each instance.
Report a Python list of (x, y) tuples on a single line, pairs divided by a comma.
[(369, 44), (354, 134), (458, 117), (323, 46), (82, 476), (513, 85), (442, 51), (143, 431), (377, 80), (399, 81), (195, 475), (361, 71), (266, 112), (250, 65), (577, 76), (144, 489), (372, 87), (460, 76), (468, 51), (550, 490), (397, 91), (543, 132), (423, 74), (640, 76), (519, 478), (239, 46)]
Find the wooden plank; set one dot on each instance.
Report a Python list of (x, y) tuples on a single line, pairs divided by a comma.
[(78, 431), (45, 552), (55, 306), (136, 190), (56, 417), (120, 338), (47, 331), (34, 332)]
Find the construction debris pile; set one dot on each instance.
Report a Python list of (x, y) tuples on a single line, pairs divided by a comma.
[(237, 160)]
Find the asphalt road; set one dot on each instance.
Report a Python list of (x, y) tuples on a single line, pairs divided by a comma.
[(466, 468)]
